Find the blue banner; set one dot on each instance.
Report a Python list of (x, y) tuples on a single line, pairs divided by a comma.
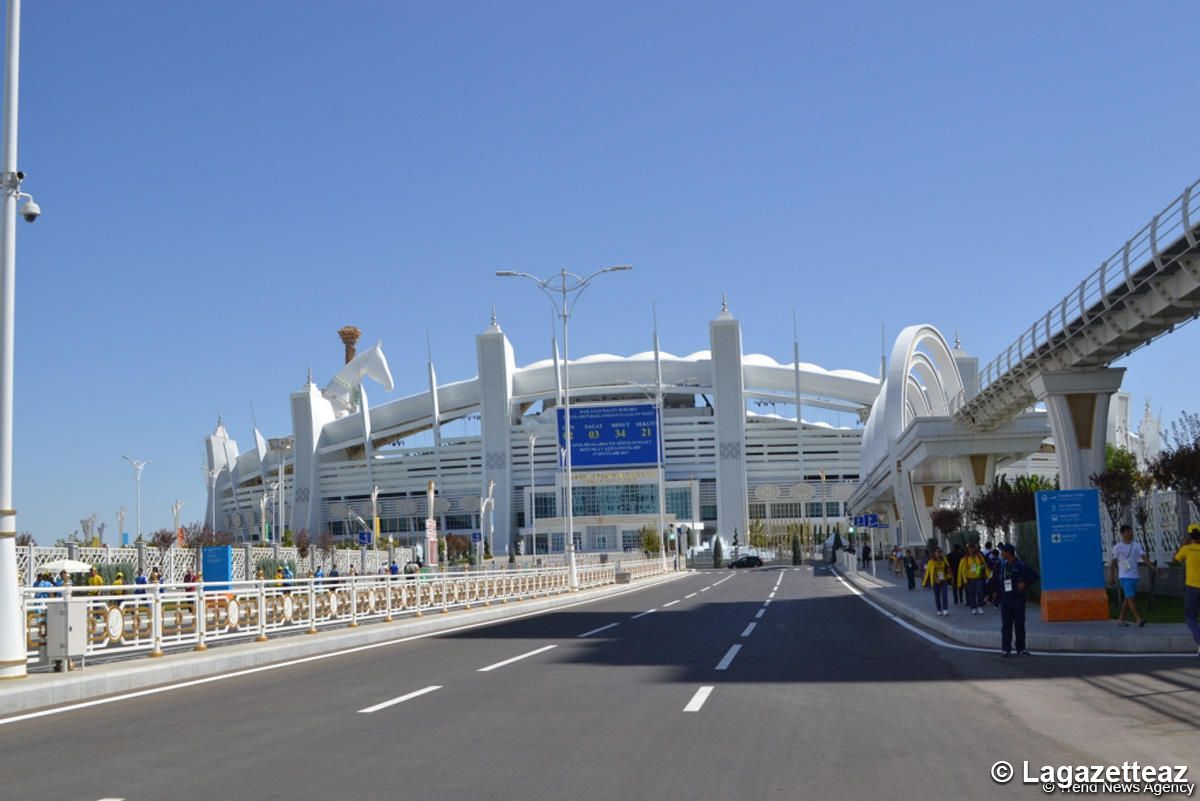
[(1069, 539), (218, 566), (612, 436)]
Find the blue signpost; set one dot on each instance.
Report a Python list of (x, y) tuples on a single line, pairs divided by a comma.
[(218, 566), (611, 436), (1068, 523), (364, 538)]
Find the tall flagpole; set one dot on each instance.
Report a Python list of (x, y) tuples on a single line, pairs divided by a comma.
[(799, 407)]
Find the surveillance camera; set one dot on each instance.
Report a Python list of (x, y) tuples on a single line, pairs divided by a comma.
[(31, 211)]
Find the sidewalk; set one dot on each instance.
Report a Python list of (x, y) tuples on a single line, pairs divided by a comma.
[(983, 631), (43, 689)]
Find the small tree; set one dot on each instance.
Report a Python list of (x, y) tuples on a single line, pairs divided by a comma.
[(163, 539), (25, 539), (648, 540), (1177, 468), (1117, 485), (303, 543), (1144, 492), (796, 553), (718, 553), (946, 520), (758, 534)]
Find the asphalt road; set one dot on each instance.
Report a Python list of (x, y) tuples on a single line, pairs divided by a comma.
[(811, 694)]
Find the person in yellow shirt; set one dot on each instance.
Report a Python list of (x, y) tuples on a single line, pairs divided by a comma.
[(94, 580), (1189, 554), (119, 581), (973, 574), (937, 575)]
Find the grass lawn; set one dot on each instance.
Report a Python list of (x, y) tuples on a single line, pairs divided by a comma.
[(1167, 609)]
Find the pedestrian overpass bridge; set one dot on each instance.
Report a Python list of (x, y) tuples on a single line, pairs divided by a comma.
[(940, 423)]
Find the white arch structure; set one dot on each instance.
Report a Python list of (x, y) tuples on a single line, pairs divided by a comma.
[(922, 381)]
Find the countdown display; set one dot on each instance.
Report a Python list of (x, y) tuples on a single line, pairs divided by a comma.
[(609, 436)]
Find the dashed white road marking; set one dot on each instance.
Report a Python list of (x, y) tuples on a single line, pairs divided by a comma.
[(643, 614), (729, 655), (672, 603), (166, 688), (597, 631), (772, 595), (690, 595), (749, 629), (760, 612), (395, 701), (767, 602), (698, 699), (706, 589), (722, 581), (534, 652)]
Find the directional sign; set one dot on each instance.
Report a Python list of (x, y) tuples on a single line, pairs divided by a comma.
[(871, 521), (364, 538), (476, 536), (1069, 540)]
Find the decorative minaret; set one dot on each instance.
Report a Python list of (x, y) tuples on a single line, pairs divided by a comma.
[(349, 335)]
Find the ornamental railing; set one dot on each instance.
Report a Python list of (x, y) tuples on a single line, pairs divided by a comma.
[(149, 619)]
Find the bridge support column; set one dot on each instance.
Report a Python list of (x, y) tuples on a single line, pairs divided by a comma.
[(1077, 403)]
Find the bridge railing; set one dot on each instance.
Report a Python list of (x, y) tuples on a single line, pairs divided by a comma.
[(1128, 270), (148, 618)]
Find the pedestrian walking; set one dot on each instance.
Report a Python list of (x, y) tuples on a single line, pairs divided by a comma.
[(1126, 556), (1189, 554), (1013, 577), (972, 577), (866, 555), (955, 558), (910, 568), (937, 576)]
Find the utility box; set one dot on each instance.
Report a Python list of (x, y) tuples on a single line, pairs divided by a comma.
[(66, 629)]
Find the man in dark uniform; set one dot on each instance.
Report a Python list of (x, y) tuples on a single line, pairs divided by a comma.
[(1012, 577)]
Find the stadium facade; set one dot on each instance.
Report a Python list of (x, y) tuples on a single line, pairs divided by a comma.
[(347, 461)]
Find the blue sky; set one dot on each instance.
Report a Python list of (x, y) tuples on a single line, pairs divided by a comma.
[(225, 184)]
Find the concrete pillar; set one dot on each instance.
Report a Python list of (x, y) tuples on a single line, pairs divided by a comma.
[(141, 557), (496, 367), (1077, 403), (725, 336)]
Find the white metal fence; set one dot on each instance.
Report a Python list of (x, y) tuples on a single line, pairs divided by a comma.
[(124, 620)]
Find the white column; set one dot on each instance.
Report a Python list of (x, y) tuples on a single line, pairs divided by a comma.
[(1077, 403), (12, 635), (725, 334)]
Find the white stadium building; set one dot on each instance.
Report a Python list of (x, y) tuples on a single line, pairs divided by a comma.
[(348, 461)]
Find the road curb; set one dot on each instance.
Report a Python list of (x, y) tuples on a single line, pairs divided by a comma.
[(40, 690), (1123, 643)]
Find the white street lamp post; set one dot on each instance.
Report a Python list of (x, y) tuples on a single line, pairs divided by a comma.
[(12, 617), (176, 508), (486, 506), (121, 524), (212, 494), (138, 466), (281, 446), (565, 284), (375, 517)]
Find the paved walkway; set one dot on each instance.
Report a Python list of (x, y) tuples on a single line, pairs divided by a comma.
[(916, 606)]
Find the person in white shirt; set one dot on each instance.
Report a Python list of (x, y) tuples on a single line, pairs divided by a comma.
[(1126, 556)]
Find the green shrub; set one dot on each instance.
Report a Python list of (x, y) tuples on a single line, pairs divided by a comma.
[(718, 553)]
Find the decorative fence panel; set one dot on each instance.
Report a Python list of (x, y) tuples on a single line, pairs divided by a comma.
[(124, 620)]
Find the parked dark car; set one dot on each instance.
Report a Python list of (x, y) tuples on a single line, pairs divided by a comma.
[(746, 561)]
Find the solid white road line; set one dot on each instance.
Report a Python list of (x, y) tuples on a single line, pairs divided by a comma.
[(166, 688), (698, 699), (760, 612), (672, 603), (534, 652), (689, 595), (956, 647), (749, 629), (643, 614), (729, 655), (399, 700), (597, 631)]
